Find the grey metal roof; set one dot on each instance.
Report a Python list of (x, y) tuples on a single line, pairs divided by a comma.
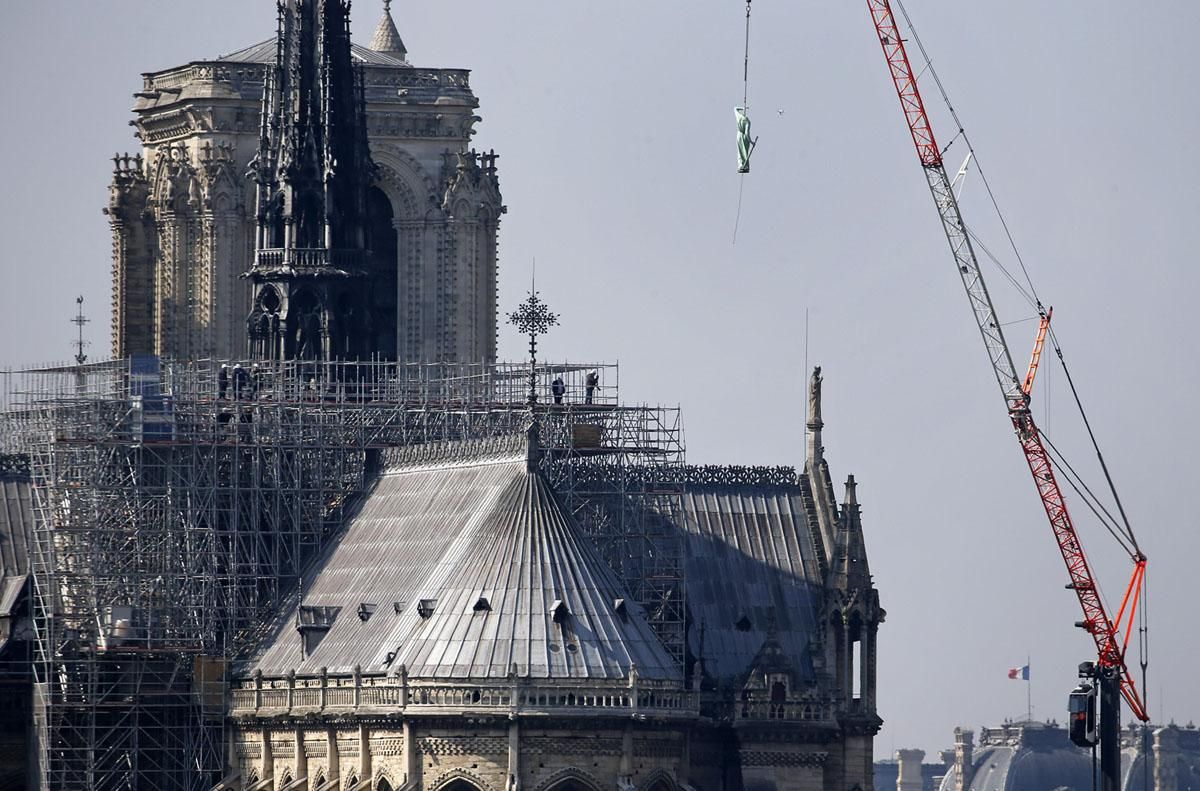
[(751, 569), (265, 52), (427, 545), (16, 526), (16, 540)]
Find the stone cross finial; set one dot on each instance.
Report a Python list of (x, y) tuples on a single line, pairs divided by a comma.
[(533, 318)]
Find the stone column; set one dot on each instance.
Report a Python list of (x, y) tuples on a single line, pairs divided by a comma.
[(1166, 759), (331, 750), (514, 756), (625, 774), (964, 748), (864, 666), (848, 661), (301, 757), (412, 762), (268, 755), (364, 753), (685, 760), (909, 777)]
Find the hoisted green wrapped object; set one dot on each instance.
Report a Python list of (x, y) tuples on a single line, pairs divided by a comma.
[(745, 144)]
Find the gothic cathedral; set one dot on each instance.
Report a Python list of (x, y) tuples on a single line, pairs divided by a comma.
[(290, 201)]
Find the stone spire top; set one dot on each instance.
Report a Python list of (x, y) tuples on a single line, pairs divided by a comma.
[(387, 38), (312, 171), (850, 569)]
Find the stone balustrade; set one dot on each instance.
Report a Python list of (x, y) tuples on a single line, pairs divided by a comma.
[(304, 259), (339, 695), (789, 711), (386, 77)]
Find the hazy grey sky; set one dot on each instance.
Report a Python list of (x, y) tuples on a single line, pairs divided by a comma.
[(614, 122)]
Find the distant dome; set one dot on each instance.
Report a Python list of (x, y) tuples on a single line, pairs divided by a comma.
[(1026, 757)]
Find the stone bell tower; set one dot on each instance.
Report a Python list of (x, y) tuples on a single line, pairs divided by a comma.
[(311, 270)]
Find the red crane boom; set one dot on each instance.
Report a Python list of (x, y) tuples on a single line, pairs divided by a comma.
[(1017, 391)]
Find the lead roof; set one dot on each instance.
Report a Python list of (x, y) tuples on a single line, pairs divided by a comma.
[(429, 543), (16, 538), (264, 52), (751, 574)]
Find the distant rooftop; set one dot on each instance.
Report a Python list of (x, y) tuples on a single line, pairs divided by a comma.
[(264, 52)]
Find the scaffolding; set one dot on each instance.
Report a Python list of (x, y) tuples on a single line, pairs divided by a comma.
[(177, 504)]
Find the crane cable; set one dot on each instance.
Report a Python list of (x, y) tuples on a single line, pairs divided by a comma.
[(1096, 445), (966, 139), (1032, 292), (1136, 554), (746, 109), (746, 64)]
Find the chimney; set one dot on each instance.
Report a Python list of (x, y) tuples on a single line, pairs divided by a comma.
[(964, 748), (909, 778)]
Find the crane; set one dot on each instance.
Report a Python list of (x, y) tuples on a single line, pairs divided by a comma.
[(1017, 390)]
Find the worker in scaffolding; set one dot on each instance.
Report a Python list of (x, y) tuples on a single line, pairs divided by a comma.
[(590, 383), (557, 389), (241, 382)]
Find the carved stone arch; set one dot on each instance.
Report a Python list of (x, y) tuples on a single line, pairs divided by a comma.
[(285, 779), (463, 210), (855, 623), (569, 775), (659, 780), (224, 203), (405, 182), (223, 192), (174, 186), (383, 781), (446, 779)]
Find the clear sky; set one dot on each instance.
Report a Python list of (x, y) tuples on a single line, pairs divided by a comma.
[(614, 122)]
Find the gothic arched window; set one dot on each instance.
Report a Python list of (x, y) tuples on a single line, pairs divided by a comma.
[(385, 273)]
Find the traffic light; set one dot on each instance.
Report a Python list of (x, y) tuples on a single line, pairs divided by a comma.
[(1081, 707)]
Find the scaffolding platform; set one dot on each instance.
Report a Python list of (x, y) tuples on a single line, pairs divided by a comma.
[(177, 504)]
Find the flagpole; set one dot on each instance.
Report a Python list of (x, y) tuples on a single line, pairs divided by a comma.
[(1028, 691)]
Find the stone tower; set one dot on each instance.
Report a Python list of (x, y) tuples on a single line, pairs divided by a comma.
[(313, 296), (184, 215)]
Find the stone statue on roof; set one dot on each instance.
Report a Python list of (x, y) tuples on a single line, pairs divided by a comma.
[(814, 397)]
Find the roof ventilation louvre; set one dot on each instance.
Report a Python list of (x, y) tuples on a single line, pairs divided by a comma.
[(743, 624), (621, 609), (483, 605), (560, 611), (365, 610), (426, 607), (313, 624), (398, 606)]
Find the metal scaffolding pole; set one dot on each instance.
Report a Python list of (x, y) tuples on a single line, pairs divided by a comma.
[(176, 506)]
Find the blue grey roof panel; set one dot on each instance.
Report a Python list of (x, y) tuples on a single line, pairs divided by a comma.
[(265, 52), (16, 526), (749, 556)]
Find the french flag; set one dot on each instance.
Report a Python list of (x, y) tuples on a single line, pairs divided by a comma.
[(1019, 673)]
